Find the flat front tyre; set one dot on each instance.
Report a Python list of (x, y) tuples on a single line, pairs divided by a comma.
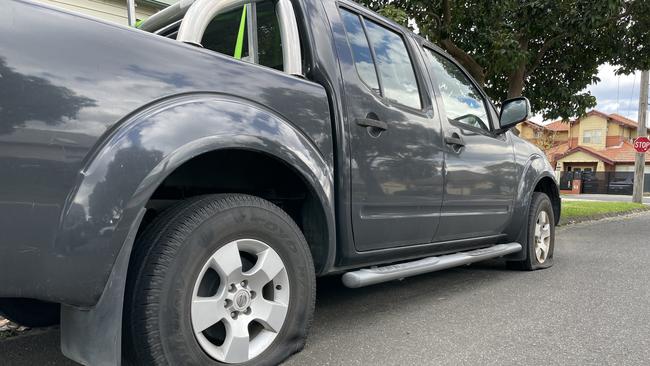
[(221, 279), (541, 235)]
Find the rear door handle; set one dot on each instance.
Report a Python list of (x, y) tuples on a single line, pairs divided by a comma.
[(454, 140), (368, 122)]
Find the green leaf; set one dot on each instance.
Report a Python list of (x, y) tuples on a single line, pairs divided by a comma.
[(560, 43)]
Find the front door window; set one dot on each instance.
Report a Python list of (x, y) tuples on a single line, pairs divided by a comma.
[(463, 102)]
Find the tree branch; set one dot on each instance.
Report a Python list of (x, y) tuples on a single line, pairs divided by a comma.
[(542, 51), (465, 59), (549, 42)]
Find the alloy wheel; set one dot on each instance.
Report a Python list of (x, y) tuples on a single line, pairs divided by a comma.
[(240, 301), (542, 236)]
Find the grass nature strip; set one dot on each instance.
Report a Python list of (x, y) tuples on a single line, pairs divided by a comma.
[(576, 210)]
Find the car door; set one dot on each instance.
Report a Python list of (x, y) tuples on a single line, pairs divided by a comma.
[(396, 168), (480, 171)]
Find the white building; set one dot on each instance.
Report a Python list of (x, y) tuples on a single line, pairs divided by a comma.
[(111, 10)]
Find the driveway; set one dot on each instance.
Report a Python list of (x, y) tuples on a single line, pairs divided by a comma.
[(591, 308), (603, 197)]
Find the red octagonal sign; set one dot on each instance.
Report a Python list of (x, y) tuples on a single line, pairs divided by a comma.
[(641, 144)]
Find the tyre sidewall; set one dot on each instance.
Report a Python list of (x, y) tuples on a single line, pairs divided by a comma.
[(540, 202), (198, 245)]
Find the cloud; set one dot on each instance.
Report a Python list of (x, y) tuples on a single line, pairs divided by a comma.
[(617, 93)]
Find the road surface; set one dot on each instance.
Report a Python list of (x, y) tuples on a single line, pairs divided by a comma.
[(591, 308)]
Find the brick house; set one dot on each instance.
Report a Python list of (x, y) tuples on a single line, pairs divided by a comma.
[(595, 142)]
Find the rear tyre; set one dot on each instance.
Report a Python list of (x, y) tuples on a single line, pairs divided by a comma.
[(541, 235), (220, 279)]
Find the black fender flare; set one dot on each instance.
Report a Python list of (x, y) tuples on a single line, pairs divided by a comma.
[(126, 169), (535, 169)]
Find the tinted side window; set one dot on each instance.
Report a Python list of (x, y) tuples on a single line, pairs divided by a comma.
[(394, 65), (463, 102), (360, 49), (268, 36), (227, 33), (223, 31)]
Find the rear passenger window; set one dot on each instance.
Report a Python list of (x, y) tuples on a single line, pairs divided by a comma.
[(360, 49), (382, 59), (395, 67)]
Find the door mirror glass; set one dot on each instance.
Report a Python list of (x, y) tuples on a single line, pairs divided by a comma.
[(513, 111)]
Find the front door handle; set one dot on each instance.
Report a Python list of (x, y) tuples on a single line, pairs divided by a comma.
[(368, 122), (455, 141)]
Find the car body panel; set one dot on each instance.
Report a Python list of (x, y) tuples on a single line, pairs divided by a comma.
[(75, 94), (480, 177), (479, 186), (396, 175), (98, 114)]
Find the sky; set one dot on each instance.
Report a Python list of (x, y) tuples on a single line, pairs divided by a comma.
[(615, 93)]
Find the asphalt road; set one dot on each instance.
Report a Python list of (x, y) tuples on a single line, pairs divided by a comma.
[(591, 308)]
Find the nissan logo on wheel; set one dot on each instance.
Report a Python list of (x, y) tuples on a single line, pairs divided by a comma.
[(641, 144)]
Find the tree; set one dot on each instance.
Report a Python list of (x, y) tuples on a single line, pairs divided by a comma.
[(547, 50), (546, 140)]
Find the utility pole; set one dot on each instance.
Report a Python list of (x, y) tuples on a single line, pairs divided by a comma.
[(639, 161), (130, 12)]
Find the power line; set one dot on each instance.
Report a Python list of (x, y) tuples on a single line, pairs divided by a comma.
[(631, 97), (618, 94)]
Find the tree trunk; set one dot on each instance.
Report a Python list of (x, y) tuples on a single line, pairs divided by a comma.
[(516, 81), (517, 76)]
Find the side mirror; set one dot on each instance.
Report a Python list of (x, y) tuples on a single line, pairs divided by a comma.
[(513, 111)]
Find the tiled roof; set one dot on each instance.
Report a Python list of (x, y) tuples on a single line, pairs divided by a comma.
[(558, 126), (623, 153), (558, 149), (596, 112), (562, 125), (533, 124), (623, 120)]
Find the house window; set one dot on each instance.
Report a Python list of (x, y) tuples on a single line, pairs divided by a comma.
[(592, 137)]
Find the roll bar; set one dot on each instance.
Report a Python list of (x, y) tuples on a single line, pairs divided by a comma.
[(201, 12)]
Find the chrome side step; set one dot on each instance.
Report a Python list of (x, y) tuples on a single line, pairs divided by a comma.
[(371, 276)]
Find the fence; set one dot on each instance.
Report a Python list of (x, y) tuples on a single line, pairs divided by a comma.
[(603, 182)]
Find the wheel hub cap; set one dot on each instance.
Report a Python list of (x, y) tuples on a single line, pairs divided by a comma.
[(242, 300)]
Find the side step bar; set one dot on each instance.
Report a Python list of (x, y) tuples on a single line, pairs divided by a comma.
[(371, 276)]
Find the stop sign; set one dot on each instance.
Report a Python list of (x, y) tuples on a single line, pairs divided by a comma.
[(641, 144)]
